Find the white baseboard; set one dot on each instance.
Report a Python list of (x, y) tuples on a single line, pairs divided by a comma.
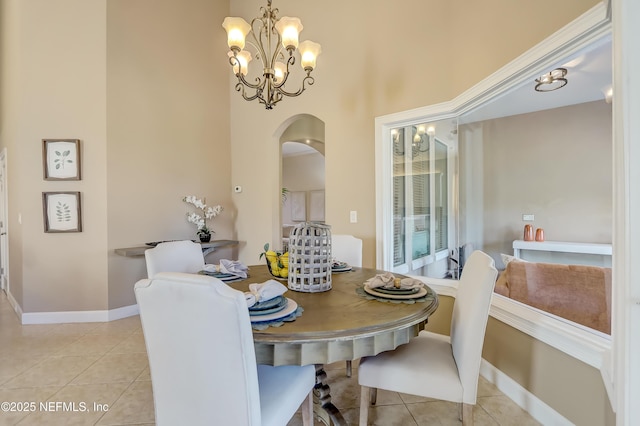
[(77, 316), (14, 304), (526, 400)]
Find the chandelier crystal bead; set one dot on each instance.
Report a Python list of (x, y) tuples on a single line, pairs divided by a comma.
[(274, 42)]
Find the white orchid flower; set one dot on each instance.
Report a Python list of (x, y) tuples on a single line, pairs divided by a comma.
[(207, 212)]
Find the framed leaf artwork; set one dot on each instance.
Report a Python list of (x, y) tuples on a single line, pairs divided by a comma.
[(62, 212), (61, 159)]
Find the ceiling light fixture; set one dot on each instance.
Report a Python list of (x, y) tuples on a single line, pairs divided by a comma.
[(270, 38), (608, 93), (552, 81)]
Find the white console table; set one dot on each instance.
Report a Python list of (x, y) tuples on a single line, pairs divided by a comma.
[(562, 247)]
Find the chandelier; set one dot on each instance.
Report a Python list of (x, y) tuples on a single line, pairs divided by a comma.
[(419, 142), (270, 37)]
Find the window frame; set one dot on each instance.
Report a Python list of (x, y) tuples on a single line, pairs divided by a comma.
[(587, 345)]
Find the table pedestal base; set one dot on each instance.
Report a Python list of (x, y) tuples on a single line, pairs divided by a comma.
[(323, 408)]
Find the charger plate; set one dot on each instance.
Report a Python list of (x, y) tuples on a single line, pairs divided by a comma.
[(422, 292), (397, 290), (290, 308)]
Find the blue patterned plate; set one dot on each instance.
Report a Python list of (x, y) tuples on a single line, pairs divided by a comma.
[(269, 304), (220, 275), (266, 311)]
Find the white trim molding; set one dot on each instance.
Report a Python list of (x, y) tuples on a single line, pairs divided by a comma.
[(77, 316), (585, 344), (14, 304), (525, 399)]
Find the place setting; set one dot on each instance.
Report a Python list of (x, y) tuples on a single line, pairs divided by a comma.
[(268, 307), (338, 266), (388, 288), (227, 271)]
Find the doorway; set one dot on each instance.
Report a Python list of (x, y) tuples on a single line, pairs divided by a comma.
[(302, 173), (4, 239)]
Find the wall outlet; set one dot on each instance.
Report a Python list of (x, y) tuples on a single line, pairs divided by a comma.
[(528, 218)]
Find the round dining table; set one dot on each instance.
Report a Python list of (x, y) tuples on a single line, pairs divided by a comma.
[(337, 325)]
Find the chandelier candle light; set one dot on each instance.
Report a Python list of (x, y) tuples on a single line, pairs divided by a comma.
[(269, 35), (200, 220)]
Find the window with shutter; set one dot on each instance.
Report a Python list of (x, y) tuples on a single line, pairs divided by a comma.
[(420, 197)]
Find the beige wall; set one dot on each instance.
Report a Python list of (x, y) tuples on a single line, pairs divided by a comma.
[(555, 164), (391, 68), (168, 127), (138, 84), (145, 85), (159, 84), (55, 67)]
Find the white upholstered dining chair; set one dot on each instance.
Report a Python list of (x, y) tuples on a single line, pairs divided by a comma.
[(347, 248), (202, 357), (437, 366), (174, 256)]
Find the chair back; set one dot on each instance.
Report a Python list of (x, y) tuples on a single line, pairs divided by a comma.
[(347, 248), (174, 256), (469, 320), (201, 352)]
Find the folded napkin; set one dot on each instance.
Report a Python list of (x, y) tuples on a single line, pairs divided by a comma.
[(388, 280), (266, 291), (211, 268), (233, 267)]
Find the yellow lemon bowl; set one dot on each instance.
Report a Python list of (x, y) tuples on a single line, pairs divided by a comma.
[(279, 273)]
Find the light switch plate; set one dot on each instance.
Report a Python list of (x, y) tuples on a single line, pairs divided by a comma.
[(353, 216), (528, 217)]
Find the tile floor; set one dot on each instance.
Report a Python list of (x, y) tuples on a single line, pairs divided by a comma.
[(98, 374)]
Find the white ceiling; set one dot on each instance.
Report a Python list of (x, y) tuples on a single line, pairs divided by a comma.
[(290, 149), (589, 72)]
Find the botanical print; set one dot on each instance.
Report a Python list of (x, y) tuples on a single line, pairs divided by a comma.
[(62, 211), (61, 159)]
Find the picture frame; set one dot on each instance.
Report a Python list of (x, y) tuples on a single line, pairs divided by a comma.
[(62, 212), (61, 159), (316, 205), (298, 206)]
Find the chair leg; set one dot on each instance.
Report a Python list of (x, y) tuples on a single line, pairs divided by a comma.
[(467, 415), (307, 410), (364, 405), (348, 368), (374, 396)]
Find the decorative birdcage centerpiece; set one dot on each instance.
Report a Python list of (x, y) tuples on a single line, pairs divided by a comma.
[(310, 258)]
